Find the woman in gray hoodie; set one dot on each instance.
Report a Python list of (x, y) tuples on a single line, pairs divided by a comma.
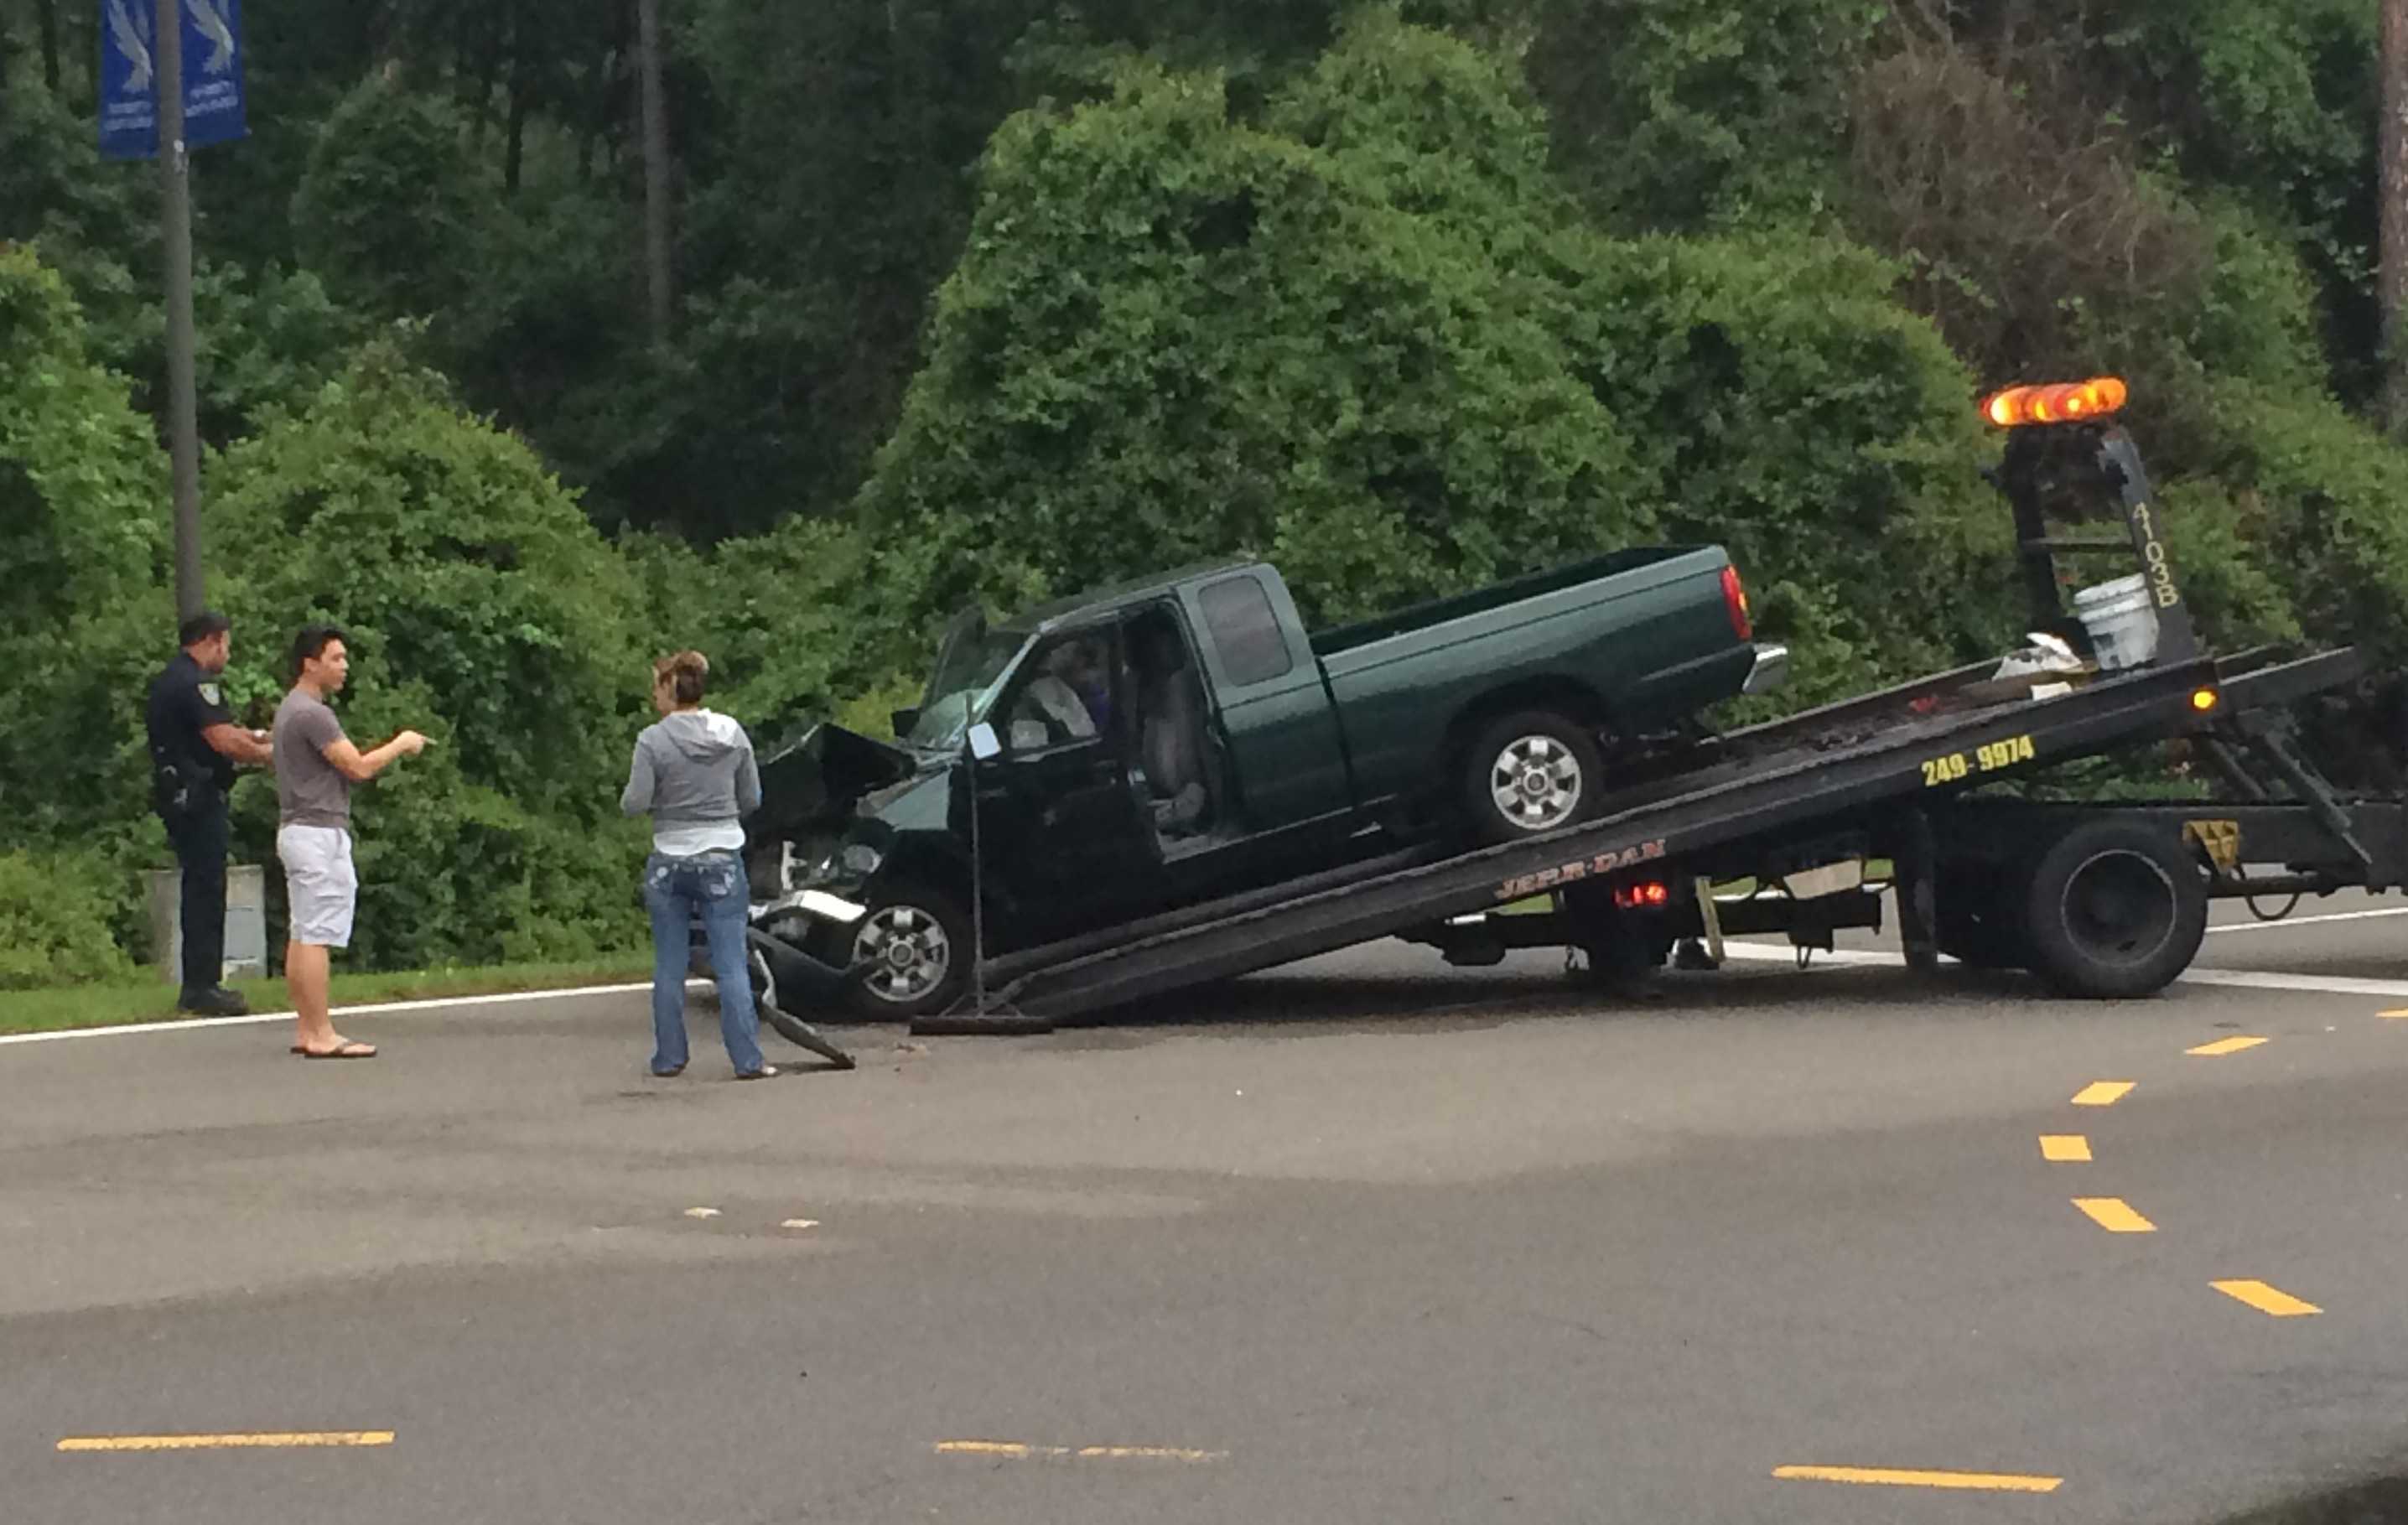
[(693, 774)]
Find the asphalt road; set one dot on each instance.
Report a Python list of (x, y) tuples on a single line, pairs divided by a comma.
[(1367, 1241)]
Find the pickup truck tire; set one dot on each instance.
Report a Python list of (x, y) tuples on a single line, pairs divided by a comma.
[(2115, 910), (911, 954), (1531, 772)]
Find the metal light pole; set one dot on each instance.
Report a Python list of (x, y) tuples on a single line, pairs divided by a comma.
[(176, 217)]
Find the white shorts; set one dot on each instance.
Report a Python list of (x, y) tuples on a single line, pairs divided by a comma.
[(320, 883)]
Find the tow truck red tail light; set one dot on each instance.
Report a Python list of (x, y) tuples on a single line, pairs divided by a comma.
[(1735, 598), (2064, 402), (1647, 895)]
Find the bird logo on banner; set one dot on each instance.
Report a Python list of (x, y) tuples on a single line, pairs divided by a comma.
[(220, 36), (133, 41)]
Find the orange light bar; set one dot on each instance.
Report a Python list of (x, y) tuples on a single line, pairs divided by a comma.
[(2067, 401)]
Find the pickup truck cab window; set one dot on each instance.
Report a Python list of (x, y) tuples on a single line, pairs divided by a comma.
[(1237, 611)]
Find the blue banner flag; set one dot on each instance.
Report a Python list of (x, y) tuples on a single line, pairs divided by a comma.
[(129, 101)]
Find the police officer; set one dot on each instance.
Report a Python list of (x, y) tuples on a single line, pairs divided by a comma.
[(195, 746)]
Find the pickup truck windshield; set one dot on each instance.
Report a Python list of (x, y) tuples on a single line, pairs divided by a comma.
[(972, 659)]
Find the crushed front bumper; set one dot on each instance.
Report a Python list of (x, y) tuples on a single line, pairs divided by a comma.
[(792, 974)]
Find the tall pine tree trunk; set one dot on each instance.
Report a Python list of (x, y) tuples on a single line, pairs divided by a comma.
[(47, 13), (514, 148), (2393, 183), (657, 167)]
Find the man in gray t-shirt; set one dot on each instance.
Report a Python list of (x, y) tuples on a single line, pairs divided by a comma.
[(309, 791), (316, 766)]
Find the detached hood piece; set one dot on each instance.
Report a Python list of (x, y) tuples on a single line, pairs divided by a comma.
[(818, 778)]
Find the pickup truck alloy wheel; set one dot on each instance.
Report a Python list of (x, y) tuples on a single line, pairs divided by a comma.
[(1530, 774), (911, 955), (2115, 910)]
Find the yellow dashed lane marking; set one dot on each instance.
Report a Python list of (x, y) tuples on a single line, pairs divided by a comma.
[(2102, 1092), (2115, 1215), (1018, 1451), (215, 1443), (2265, 1299), (2392, 1014), (2222, 1046), (2065, 1149), (1992, 1482)]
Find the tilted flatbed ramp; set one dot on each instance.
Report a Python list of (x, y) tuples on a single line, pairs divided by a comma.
[(1917, 740)]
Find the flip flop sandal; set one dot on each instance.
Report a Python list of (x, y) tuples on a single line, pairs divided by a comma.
[(348, 1048)]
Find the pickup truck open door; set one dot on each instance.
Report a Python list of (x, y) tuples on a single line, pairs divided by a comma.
[(1064, 829)]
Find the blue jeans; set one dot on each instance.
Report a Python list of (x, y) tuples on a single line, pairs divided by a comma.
[(677, 890)]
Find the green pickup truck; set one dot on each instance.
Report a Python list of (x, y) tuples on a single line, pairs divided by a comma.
[(1165, 742)]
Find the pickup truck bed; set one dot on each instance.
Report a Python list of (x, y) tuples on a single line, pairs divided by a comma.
[(1601, 638)]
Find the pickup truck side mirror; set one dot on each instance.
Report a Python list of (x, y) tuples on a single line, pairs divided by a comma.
[(982, 743), (905, 722)]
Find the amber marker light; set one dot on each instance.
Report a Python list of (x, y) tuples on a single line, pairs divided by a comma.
[(2203, 700), (2064, 402)]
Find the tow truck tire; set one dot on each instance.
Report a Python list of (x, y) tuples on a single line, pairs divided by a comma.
[(911, 954), (1529, 774), (2115, 910)]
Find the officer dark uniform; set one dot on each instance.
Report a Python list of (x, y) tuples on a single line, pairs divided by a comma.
[(190, 781)]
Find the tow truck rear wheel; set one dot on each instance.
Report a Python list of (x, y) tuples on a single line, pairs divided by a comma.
[(2113, 910), (1529, 774), (911, 954)]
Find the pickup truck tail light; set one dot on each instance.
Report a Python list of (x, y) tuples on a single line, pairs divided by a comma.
[(1735, 597)]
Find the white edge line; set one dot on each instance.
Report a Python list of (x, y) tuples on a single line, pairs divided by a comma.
[(191, 1024), (2306, 920), (2232, 979)]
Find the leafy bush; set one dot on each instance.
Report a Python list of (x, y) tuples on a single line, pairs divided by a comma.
[(788, 620), (1792, 410), (82, 556), (2319, 509), (1173, 336), (54, 922), (484, 609)]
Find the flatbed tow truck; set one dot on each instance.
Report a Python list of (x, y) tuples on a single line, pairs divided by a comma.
[(2098, 900)]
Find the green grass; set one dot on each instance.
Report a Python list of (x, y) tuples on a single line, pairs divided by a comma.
[(154, 1000)]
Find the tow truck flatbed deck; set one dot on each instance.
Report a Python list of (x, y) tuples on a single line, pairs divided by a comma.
[(1811, 771)]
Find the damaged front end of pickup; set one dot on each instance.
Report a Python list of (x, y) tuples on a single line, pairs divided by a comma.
[(811, 855)]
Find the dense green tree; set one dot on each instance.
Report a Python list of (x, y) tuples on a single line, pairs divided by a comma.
[(389, 212), (1677, 114), (1367, 336)]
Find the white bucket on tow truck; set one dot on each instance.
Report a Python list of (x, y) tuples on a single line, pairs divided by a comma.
[(2121, 620)]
